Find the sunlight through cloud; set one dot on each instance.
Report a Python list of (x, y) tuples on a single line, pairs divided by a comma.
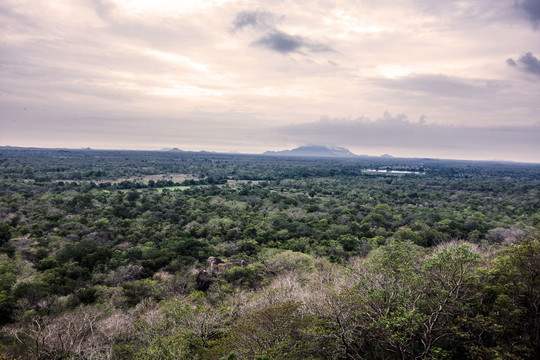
[(168, 7)]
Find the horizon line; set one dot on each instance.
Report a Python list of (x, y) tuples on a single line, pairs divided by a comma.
[(386, 155)]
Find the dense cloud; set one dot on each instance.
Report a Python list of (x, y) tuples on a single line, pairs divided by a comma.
[(273, 38), (532, 9), (285, 43), (527, 63)]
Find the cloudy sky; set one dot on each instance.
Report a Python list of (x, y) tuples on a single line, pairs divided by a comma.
[(448, 79)]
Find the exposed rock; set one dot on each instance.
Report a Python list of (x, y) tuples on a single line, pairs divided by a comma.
[(203, 280), (212, 265), (215, 267), (225, 266)]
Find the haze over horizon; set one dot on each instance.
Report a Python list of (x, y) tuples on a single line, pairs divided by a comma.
[(456, 79)]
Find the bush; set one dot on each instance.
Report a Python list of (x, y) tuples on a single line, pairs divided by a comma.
[(239, 275), (289, 261)]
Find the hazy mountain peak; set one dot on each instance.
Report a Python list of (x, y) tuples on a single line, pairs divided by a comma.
[(314, 151), (171, 149)]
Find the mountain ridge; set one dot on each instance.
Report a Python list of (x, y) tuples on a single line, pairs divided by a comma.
[(314, 151)]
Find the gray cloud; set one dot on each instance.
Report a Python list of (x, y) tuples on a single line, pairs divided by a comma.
[(259, 20), (532, 9), (103, 8), (527, 63), (401, 136), (442, 85), (273, 38), (511, 62), (285, 43)]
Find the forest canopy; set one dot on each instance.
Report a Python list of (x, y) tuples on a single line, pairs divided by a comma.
[(142, 255)]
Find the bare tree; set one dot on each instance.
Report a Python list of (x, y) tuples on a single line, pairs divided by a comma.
[(83, 333)]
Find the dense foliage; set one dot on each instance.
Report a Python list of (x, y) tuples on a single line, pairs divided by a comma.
[(101, 254)]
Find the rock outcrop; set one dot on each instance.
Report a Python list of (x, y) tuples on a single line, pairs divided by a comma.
[(215, 267)]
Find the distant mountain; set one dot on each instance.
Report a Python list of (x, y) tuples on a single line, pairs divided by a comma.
[(314, 151), (171, 150)]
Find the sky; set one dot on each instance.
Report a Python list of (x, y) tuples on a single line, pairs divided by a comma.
[(415, 78)]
